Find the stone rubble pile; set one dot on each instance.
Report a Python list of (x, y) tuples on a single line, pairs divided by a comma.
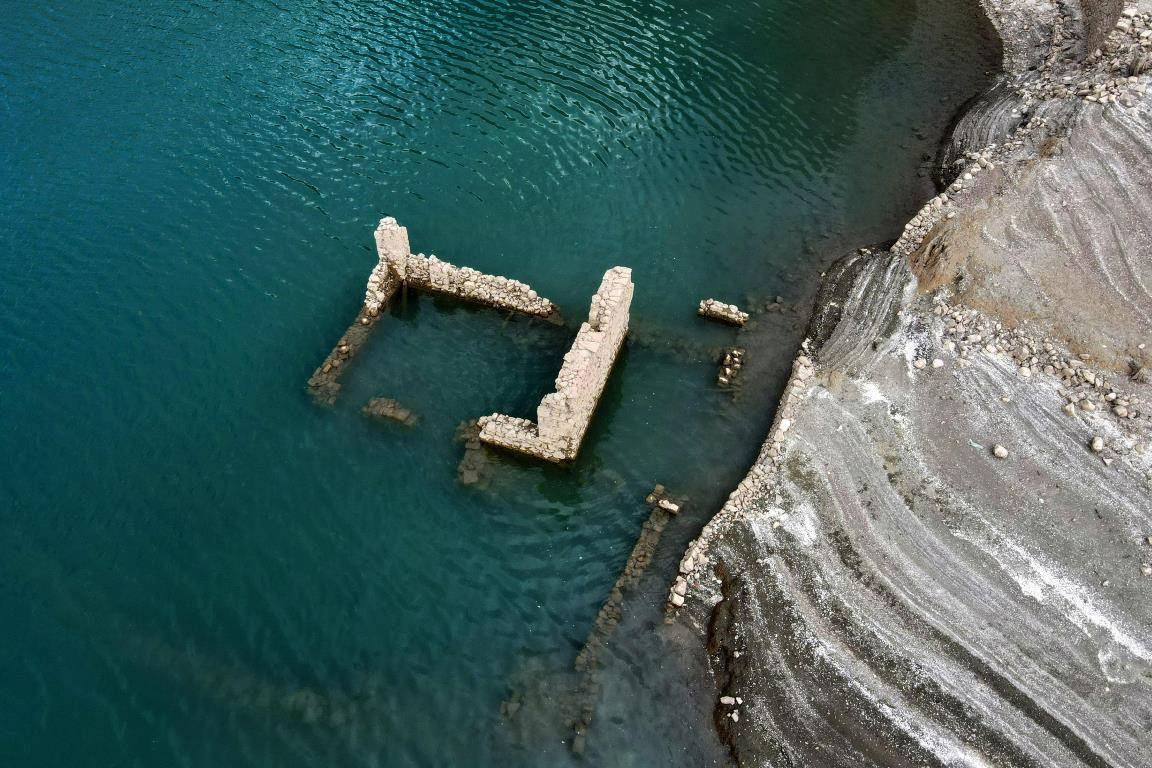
[(730, 364), (431, 274), (1111, 74), (564, 415), (718, 310)]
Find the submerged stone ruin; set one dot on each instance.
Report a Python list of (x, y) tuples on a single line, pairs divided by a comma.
[(564, 415), (397, 266), (718, 310), (387, 409), (664, 506)]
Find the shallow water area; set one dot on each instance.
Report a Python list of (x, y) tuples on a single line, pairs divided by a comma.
[(202, 567)]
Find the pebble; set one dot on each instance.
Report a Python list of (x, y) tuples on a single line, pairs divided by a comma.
[(1146, 569), (1120, 411), (920, 363), (1087, 405), (1097, 444), (937, 363), (1000, 452)]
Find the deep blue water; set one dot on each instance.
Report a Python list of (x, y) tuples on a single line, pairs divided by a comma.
[(198, 566)]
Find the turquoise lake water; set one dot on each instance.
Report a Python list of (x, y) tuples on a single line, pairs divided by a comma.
[(198, 566)]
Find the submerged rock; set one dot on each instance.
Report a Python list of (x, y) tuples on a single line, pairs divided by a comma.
[(389, 409), (893, 601)]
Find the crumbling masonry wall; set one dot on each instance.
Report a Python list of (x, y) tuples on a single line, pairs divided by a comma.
[(397, 265), (564, 415)]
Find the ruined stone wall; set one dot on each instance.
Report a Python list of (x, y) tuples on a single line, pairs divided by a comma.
[(396, 266), (564, 415), (428, 273)]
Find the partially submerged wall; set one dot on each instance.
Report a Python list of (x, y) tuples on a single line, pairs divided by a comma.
[(564, 415), (428, 273), (396, 265)]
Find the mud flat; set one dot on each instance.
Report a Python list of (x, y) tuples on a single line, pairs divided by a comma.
[(942, 554)]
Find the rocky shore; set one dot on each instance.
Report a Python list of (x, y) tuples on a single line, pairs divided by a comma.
[(942, 555)]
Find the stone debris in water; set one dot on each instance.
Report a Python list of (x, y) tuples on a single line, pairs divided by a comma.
[(730, 364), (718, 310), (563, 416), (387, 408), (396, 265)]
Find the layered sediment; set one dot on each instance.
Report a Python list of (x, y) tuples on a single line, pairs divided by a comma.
[(564, 415), (941, 554)]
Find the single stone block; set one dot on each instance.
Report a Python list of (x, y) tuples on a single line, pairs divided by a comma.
[(718, 310)]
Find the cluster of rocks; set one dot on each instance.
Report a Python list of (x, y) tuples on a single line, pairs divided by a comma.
[(388, 409), (752, 490), (660, 498), (731, 706), (730, 364), (1111, 74), (1087, 390), (663, 506), (718, 310), (563, 416)]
